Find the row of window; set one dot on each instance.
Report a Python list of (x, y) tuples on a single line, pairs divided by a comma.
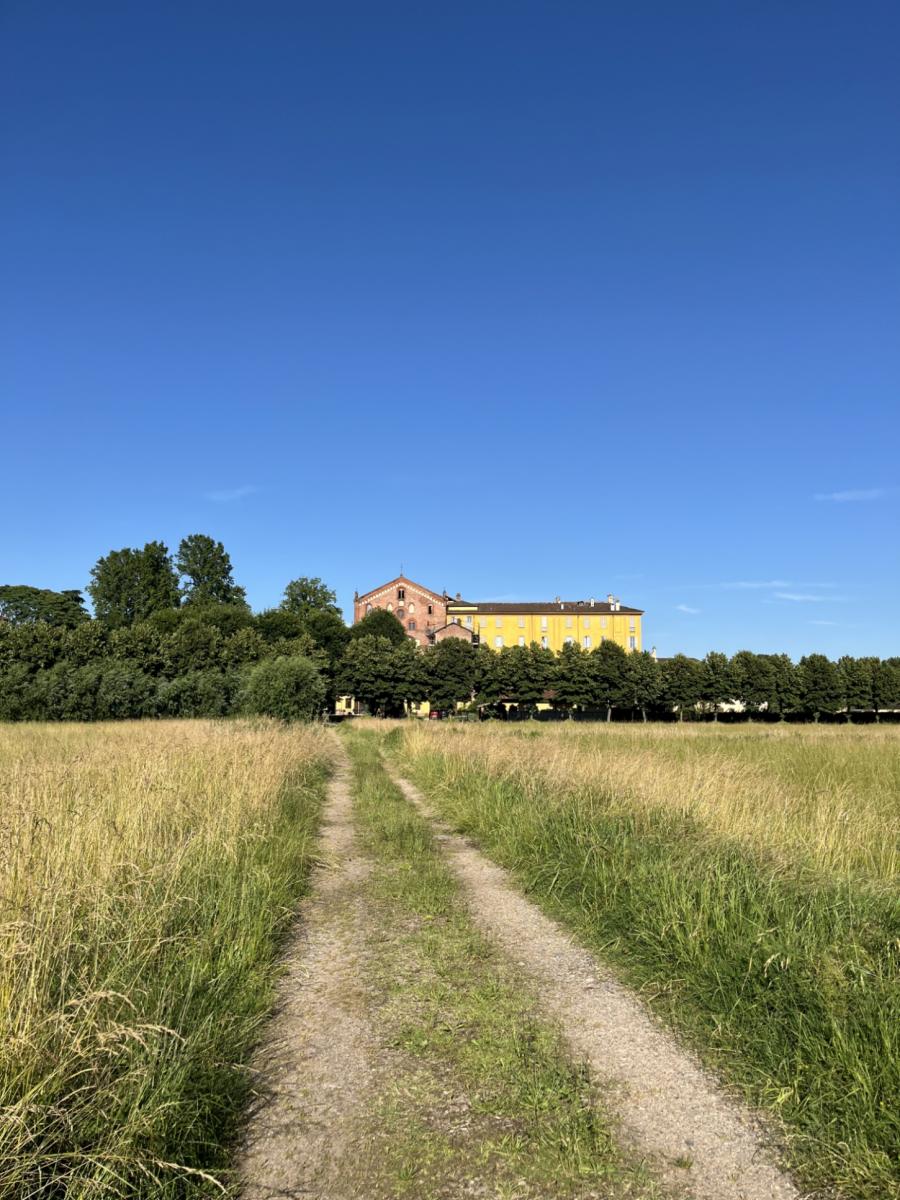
[(545, 642), (410, 608), (585, 623)]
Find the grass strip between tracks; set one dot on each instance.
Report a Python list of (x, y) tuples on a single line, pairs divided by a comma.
[(490, 1094)]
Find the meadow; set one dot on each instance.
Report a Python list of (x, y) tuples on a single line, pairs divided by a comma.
[(743, 878), (147, 874)]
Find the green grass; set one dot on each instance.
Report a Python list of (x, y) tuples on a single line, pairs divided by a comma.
[(150, 874), (533, 1123), (784, 976)]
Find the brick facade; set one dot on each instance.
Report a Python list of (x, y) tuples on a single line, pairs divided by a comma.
[(417, 608)]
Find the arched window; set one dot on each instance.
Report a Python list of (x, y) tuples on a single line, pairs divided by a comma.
[(411, 607), (410, 624), (390, 606), (368, 608)]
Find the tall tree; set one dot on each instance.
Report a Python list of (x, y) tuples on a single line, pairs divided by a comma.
[(206, 565), (643, 682), (858, 682), (886, 685), (753, 678), (21, 604), (379, 623), (575, 684), (449, 669), (309, 594), (717, 686), (128, 585), (682, 681), (609, 668), (367, 672), (820, 685)]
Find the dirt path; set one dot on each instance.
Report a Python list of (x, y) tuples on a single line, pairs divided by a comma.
[(315, 1067), (669, 1107)]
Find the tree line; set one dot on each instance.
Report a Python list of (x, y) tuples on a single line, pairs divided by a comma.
[(385, 675), (173, 635)]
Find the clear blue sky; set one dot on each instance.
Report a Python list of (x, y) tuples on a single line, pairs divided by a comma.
[(534, 298)]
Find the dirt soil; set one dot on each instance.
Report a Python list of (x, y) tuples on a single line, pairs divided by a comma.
[(697, 1139), (315, 1068)]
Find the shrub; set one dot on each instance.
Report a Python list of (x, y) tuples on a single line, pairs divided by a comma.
[(288, 688)]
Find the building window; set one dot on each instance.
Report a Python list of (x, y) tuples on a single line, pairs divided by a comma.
[(521, 641), (543, 622), (390, 606), (603, 622), (521, 622), (411, 607), (401, 593), (469, 622), (568, 641), (585, 622), (498, 641), (498, 622), (368, 608), (431, 610), (586, 642), (410, 624), (568, 623), (545, 643), (632, 643), (631, 625)]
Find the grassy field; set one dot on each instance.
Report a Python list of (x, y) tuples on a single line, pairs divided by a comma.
[(745, 878), (147, 872)]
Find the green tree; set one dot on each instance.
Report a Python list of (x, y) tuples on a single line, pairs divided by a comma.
[(886, 685), (785, 687), (820, 685), (682, 683), (129, 585), (575, 685), (206, 566), (379, 623), (308, 595), (449, 672), (291, 689), (858, 682), (609, 670), (717, 685), (274, 624), (367, 672), (327, 630), (754, 680), (23, 605), (643, 682)]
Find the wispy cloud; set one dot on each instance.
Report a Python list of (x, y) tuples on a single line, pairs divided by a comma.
[(823, 622), (807, 597), (755, 584), (686, 608), (228, 495), (853, 495)]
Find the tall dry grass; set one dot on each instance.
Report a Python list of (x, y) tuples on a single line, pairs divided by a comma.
[(146, 872), (828, 796), (745, 879)]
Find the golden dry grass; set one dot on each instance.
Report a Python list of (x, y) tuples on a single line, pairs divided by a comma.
[(825, 795), (136, 864)]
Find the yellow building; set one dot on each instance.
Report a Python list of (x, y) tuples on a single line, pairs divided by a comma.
[(552, 624)]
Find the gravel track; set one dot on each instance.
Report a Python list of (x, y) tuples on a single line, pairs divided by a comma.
[(698, 1140), (316, 1064)]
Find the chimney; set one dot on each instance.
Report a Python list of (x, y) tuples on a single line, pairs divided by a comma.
[(592, 601), (458, 596), (609, 599), (653, 652)]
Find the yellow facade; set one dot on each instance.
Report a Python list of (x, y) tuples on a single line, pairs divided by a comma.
[(586, 626)]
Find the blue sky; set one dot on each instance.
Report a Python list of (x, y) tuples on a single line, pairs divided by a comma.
[(534, 298)]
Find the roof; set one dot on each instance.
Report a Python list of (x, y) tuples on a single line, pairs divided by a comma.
[(401, 581), (541, 606)]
